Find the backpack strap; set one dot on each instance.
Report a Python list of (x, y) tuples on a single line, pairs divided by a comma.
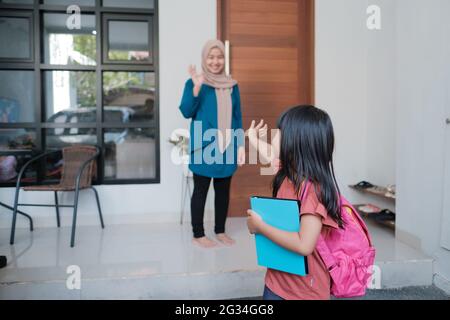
[(325, 253), (321, 245)]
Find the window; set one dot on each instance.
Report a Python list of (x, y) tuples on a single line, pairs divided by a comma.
[(71, 93), (17, 96), (16, 31), (70, 2), (128, 38), (95, 83), (144, 4), (63, 46), (17, 1), (131, 92)]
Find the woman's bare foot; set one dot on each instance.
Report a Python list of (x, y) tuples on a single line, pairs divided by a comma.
[(204, 242), (226, 240)]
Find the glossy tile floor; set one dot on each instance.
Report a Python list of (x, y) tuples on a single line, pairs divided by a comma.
[(122, 250), (156, 250)]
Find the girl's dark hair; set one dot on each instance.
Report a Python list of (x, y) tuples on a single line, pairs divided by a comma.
[(306, 154)]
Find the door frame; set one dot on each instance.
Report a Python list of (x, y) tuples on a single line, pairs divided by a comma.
[(306, 54)]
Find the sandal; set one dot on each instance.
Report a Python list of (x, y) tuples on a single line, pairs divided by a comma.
[(364, 185), (385, 215)]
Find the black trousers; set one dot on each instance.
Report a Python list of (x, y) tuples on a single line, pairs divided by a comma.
[(198, 200)]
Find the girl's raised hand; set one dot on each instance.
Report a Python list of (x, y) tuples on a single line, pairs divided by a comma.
[(262, 131), (254, 222), (253, 131)]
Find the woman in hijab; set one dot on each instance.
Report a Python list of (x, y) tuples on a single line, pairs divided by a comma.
[(211, 99)]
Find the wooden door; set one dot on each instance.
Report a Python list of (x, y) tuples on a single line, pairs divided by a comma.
[(272, 58)]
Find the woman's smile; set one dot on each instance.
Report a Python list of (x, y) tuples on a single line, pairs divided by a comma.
[(215, 61)]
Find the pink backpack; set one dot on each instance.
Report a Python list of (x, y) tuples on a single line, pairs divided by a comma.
[(348, 254)]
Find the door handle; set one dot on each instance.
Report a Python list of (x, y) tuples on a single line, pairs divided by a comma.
[(447, 121), (227, 57)]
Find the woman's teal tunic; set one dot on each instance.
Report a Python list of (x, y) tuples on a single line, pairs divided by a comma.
[(205, 156)]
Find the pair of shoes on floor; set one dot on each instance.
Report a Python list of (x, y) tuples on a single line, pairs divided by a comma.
[(385, 215), (364, 185)]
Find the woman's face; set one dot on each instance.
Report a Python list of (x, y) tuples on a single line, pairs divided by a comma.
[(215, 61)]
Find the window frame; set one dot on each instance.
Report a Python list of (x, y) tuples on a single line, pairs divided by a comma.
[(36, 64)]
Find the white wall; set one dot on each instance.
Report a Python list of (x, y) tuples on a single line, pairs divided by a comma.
[(423, 83), (184, 26), (387, 92), (381, 86), (355, 84)]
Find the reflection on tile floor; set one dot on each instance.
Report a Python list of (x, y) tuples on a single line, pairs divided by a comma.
[(122, 250)]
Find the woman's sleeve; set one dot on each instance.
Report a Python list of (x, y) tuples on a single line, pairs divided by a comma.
[(189, 103), (238, 114)]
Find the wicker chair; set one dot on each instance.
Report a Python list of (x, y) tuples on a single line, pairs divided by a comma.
[(79, 167)]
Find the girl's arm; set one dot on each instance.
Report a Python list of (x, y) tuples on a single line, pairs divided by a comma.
[(302, 242)]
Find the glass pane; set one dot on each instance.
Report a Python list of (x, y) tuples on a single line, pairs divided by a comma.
[(17, 1), (128, 96), (16, 96), (10, 166), (70, 2), (130, 153), (144, 4), (70, 96), (129, 41), (15, 31), (17, 139), (66, 46), (61, 137)]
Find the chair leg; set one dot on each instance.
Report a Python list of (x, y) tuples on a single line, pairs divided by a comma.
[(99, 208), (74, 221), (58, 222), (21, 213), (13, 225), (29, 219)]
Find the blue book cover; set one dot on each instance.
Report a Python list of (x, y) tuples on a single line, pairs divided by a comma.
[(283, 214)]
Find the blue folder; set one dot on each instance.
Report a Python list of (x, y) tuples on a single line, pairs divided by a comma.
[(283, 214)]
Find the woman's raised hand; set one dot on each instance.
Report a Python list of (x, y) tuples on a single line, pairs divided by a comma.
[(197, 78)]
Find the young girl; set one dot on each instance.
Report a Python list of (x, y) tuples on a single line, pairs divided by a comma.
[(306, 143)]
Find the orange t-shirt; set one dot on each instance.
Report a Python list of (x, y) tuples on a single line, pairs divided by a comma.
[(316, 285)]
